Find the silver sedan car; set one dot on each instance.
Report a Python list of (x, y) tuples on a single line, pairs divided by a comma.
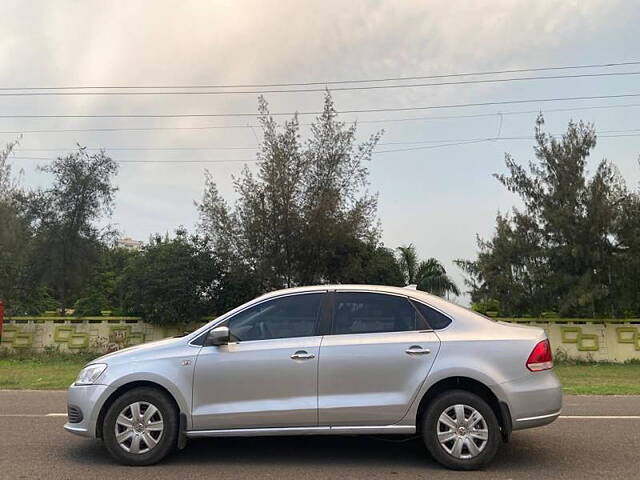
[(325, 360)]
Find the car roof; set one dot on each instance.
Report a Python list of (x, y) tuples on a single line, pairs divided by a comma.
[(409, 292)]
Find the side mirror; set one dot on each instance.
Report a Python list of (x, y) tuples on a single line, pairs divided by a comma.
[(218, 336)]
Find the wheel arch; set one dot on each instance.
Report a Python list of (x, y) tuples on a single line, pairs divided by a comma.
[(125, 388), (500, 409)]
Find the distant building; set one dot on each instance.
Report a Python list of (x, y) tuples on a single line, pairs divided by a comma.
[(129, 243)]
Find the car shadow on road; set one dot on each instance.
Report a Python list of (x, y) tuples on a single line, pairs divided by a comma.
[(389, 453)]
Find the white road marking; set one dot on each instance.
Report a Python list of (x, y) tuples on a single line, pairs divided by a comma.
[(33, 414), (600, 417)]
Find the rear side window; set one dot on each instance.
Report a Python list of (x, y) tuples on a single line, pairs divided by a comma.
[(285, 317), (360, 312), (434, 318)]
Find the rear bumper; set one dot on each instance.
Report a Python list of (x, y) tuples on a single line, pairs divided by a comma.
[(539, 421), (89, 399), (534, 400)]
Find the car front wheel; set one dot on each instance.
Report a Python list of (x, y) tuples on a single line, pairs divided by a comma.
[(141, 427), (461, 431)]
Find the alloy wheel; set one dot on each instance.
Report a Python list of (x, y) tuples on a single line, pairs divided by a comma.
[(462, 431), (139, 427)]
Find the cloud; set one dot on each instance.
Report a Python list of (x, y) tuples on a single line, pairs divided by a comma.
[(195, 42)]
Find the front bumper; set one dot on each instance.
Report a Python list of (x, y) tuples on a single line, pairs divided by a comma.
[(89, 399), (534, 400)]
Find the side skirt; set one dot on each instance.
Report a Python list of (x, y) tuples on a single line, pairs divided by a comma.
[(339, 430)]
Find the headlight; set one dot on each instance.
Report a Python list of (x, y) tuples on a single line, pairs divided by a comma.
[(89, 374)]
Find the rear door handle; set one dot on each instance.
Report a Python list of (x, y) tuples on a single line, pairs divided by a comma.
[(417, 350), (302, 355)]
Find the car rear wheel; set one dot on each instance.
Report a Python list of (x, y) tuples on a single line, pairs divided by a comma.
[(141, 427), (461, 431)]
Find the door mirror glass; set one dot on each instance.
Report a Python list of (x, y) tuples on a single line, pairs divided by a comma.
[(218, 336)]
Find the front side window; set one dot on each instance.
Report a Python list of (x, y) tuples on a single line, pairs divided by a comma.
[(292, 316), (360, 312)]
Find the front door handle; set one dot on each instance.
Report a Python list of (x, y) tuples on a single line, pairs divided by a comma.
[(302, 355), (417, 350)]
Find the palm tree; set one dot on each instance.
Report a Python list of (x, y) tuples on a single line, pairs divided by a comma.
[(432, 277), (408, 260)]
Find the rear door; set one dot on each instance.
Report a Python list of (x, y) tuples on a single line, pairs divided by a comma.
[(267, 376), (373, 363)]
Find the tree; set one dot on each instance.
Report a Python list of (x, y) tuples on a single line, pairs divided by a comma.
[(432, 277), (381, 268), (356, 261), (564, 250), (335, 203), (306, 201), (625, 261), (65, 216), (172, 280), (103, 289), (20, 288), (408, 259), (428, 275), (8, 184)]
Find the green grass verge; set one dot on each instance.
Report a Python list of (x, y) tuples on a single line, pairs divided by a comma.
[(52, 371), (590, 378), (41, 371)]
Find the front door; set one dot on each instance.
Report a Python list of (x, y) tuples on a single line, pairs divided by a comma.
[(267, 376), (374, 362)]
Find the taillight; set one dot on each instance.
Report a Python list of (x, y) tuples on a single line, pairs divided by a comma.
[(541, 357)]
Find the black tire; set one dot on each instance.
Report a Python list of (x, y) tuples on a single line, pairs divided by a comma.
[(166, 442), (444, 402)]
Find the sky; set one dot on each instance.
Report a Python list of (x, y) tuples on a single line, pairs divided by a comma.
[(438, 198)]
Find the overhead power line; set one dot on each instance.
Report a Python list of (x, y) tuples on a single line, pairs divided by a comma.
[(125, 129), (135, 149), (249, 160), (254, 148), (380, 120), (332, 82), (352, 111), (501, 113), (377, 152), (311, 90), (493, 139)]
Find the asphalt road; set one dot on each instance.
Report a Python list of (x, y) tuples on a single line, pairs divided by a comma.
[(596, 437)]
